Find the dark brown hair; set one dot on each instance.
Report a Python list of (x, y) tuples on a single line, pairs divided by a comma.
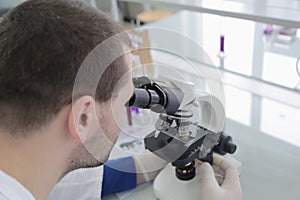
[(42, 45)]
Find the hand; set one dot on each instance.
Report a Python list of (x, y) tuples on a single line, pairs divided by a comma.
[(228, 188)]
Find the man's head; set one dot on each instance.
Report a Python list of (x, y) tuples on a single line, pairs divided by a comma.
[(42, 46)]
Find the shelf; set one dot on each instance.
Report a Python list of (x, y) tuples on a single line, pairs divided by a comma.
[(281, 12)]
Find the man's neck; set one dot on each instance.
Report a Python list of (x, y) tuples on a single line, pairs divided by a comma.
[(33, 162)]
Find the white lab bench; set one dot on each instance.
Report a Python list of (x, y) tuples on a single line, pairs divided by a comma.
[(270, 167)]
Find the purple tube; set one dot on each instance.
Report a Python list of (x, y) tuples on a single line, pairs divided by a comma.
[(268, 30), (222, 39)]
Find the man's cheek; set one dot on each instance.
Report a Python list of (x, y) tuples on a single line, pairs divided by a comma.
[(118, 114)]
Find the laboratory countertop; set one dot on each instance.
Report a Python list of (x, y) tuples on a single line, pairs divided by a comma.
[(282, 12), (267, 135), (269, 167)]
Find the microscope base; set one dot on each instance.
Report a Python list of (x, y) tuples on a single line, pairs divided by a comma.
[(167, 186)]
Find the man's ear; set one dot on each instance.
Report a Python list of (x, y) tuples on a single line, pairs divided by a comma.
[(82, 118)]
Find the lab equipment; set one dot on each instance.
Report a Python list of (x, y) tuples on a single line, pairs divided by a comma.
[(179, 137), (189, 127)]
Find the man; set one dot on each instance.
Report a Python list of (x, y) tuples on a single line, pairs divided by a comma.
[(46, 131)]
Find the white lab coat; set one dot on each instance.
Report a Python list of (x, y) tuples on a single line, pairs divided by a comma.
[(81, 184), (11, 189)]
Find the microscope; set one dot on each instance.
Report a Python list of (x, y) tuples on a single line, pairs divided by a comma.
[(189, 127)]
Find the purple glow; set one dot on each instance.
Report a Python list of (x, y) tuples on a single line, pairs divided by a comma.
[(136, 110)]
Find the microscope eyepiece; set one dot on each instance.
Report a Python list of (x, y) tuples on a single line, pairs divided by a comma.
[(143, 98), (158, 98)]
